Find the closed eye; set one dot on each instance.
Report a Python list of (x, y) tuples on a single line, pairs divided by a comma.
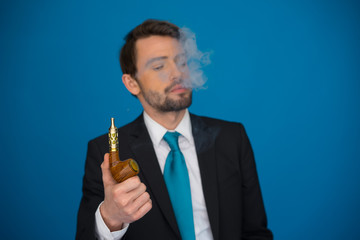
[(181, 64), (158, 67)]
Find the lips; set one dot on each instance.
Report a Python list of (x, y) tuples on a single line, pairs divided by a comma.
[(178, 89)]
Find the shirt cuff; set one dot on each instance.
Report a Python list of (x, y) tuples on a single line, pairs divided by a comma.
[(103, 232)]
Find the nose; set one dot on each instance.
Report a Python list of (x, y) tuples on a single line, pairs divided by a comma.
[(176, 72)]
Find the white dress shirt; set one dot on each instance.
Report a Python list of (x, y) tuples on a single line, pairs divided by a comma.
[(162, 149)]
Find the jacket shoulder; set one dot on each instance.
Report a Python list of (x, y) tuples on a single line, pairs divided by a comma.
[(215, 122)]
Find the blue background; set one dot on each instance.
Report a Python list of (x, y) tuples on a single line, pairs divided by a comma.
[(288, 70)]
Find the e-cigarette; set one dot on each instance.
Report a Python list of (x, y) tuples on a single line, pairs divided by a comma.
[(120, 170)]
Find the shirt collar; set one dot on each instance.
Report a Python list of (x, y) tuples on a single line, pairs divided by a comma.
[(157, 132)]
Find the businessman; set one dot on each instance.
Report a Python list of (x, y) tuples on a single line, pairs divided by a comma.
[(198, 178)]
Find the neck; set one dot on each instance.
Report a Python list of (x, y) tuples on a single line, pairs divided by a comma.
[(169, 120)]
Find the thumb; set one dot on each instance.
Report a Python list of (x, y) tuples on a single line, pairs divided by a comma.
[(106, 173)]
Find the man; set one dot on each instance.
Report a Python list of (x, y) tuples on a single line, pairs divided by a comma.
[(217, 195)]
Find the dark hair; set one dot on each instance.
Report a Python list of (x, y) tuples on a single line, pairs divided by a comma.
[(148, 28)]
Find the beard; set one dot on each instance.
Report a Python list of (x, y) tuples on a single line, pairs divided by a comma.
[(163, 103)]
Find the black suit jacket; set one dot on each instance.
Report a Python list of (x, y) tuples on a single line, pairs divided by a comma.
[(228, 173)]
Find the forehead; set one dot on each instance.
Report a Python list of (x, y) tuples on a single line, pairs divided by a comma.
[(155, 46)]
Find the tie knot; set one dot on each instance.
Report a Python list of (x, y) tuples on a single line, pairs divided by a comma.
[(172, 139)]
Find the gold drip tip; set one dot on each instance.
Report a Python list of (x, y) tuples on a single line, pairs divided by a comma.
[(113, 137), (112, 123)]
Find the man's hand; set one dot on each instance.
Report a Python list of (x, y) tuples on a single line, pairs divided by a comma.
[(124, 202)]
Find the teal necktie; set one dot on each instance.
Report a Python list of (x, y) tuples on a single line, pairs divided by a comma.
[(178, 185)]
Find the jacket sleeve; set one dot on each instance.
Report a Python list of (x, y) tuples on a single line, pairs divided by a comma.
[(93, 192), (254, 217)]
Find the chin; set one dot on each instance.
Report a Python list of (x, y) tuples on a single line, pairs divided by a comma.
[(178, 104)]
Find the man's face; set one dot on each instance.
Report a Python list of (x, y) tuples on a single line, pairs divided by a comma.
[(162, 74)]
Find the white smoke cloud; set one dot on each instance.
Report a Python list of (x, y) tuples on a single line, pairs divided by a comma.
[(196, 59)]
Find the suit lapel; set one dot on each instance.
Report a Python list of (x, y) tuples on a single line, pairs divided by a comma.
[(143, 150), (204, 138)]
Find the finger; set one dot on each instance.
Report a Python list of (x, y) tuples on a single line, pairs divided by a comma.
[(143, 210), (106, 173), (130, 184), (136, 212), (131, 197), (138, 191), (142, 199)]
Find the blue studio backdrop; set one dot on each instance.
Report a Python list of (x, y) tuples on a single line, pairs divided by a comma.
[(288, 70)]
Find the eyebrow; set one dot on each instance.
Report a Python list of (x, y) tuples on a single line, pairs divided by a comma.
[(154, 60), (179, 56)]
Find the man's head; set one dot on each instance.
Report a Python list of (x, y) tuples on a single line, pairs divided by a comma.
[(146, 29), (154, 66)]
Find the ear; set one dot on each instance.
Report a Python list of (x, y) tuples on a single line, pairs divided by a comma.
[(131, 84)]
